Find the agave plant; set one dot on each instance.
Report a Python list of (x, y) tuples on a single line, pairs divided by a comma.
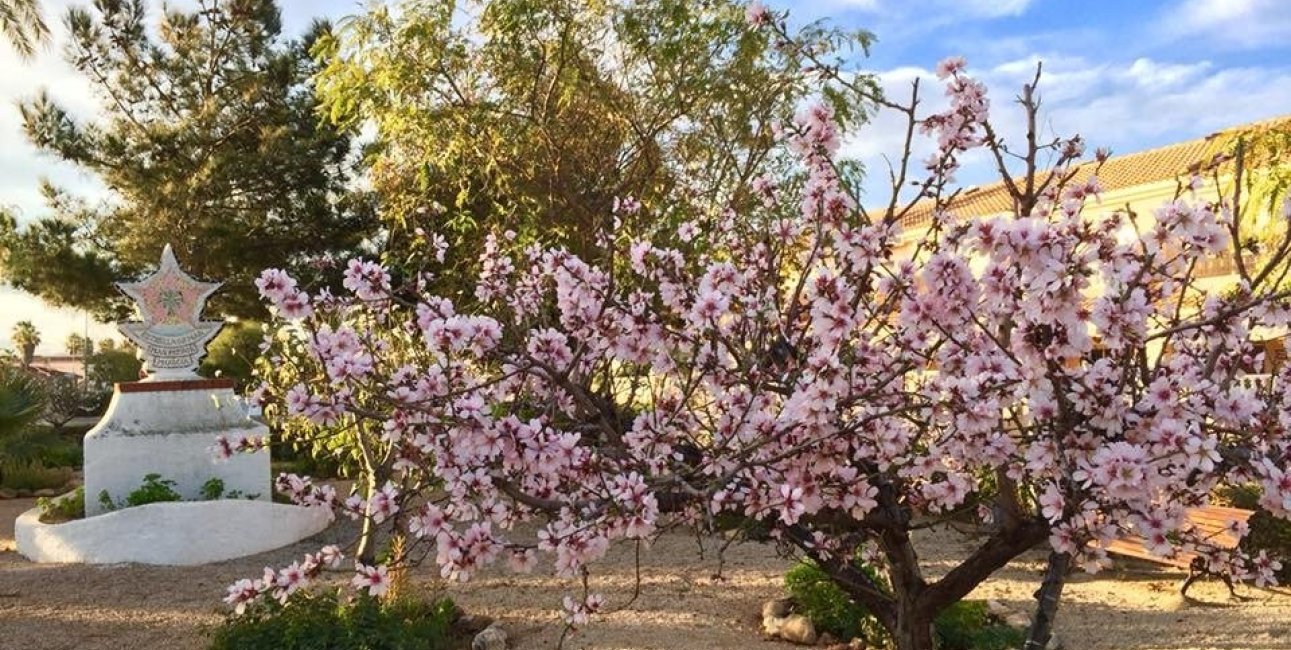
[(22, 403)]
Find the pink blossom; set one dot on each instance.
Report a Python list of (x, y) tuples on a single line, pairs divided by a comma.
[(376, 579), (949, 66)]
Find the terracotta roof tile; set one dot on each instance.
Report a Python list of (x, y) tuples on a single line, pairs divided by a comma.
[(1160, 164)]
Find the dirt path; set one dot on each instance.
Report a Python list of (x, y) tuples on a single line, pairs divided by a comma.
[(123, 607)]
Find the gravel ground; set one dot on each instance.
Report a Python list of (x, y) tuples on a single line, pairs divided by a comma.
[(681, 604)]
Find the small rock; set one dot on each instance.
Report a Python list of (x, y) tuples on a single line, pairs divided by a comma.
[(779, 607), (6, 493), (47, 493), (1054, 643), (856, 644), (771, 624), (827, 639), (798, 629), (473, 623), (1016, 619), (998, 609), (492, 637)]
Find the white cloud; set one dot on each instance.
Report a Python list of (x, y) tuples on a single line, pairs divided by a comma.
[(1229, 24), (1127, 106), (995, 8)]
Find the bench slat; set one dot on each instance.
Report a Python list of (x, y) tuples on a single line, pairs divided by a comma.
[(1211, 522)]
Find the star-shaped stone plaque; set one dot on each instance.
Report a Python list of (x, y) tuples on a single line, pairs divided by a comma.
[(172, 335)]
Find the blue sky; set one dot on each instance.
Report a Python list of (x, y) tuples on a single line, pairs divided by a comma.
[(1128, 75)]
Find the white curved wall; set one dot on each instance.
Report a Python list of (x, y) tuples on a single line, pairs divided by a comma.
[(172, 533)]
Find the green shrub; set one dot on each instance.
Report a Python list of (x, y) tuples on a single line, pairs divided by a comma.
[(59, 509), (322, 621), (29, 445), (829, 607), (1268, 533), (154, 490), (32, 475), (969, 625), (213, 489), (966, 625), (63, 453)]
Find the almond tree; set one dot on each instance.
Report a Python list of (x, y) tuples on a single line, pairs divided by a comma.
[(825, 374)]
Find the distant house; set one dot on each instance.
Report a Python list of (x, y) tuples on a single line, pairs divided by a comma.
[(59, 364), (1139, 183)]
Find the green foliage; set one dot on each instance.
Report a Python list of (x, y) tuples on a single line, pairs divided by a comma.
[(59, 509), (154, 490), (210, 143), (535, 116), (111, 366), (157, 490), (46, 258), (1265, 149), (322, 621), (968, 625), (23, 26), (829, 608), (33, 475), (31, 445), (22, 403), (212, 489), (232, 353), (60, 452), (1268, 533), (965, 625), (79, 346)]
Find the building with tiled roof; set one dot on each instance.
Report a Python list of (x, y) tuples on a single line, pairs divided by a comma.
[(1159, 169)]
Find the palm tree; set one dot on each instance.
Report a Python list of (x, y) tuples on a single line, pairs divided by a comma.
[(26, 338), (23, 26)]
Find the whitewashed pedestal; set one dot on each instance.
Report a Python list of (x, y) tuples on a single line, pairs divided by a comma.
[(170, 428)]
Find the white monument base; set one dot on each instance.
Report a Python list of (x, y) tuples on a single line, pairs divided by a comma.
[(170, 429), (170, 533)]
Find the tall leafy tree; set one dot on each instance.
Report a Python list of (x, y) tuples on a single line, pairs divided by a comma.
[(537, 116), (23, 26), (79, 346), (208, 141)]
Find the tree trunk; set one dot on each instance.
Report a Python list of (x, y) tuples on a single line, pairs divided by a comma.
[(914, 630), (367, 551), (1047, 598)]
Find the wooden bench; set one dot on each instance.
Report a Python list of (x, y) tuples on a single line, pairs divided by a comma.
[(1212, 526)]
